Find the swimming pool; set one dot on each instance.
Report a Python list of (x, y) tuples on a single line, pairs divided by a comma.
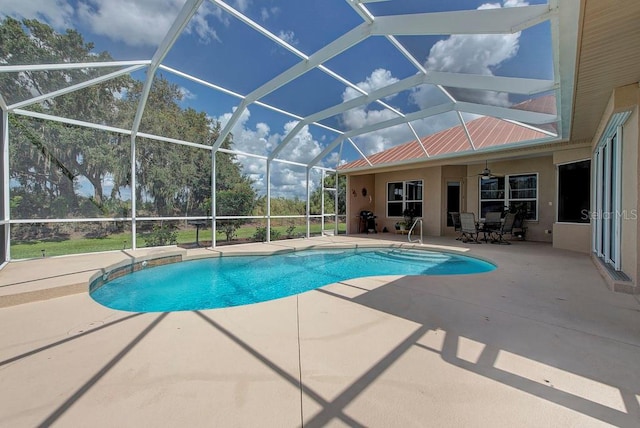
[(241, 280)]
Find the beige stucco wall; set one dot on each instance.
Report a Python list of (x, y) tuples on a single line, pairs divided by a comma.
[(356, 202), (572, 236), (431, 209), (435, 180), (543, 165), (622, 99), (633, 139), (629, 223)]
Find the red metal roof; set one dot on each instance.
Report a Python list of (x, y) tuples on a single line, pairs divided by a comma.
[(485, 132)]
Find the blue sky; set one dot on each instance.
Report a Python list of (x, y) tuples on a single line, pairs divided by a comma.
[(218, 48)]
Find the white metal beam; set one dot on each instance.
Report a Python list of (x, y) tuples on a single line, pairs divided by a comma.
[(418, 139), (421, 114), (186, 13), (408, 55), (68, 121), (514, 85), (534, 128), (564, 40), (259, 28), (354, 102), (200, 81), (506, 113), (75, 87), (324, 54), (237, 95), (466, 130), (367, 17), (6, 205), (355, 146), (383, 92), (555, 52), (69, 66), (106, 128), (361, 10), (480, 21), (493, 83)]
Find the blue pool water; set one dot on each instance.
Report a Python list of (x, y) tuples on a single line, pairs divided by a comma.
[(233, 281)]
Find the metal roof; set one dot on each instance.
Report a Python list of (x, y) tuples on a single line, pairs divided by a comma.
[(478, 134)]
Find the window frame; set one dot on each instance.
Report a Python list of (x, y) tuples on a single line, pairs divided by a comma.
[(404, 200), (506, 199)]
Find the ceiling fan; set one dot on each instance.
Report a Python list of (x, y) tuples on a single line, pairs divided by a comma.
[(486, 173)]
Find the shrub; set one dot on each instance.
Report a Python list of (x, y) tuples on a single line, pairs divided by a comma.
[(261, 234), (161, 234)]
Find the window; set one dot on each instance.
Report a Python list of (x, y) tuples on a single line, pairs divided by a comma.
[(519, 191), (402, 195), (491, 195), (574, 192)]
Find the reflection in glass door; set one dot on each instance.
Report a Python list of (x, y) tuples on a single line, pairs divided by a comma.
[(453, 200), (607, 188), (4, 190)]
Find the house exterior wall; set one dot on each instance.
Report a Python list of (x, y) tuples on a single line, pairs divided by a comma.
[(571, 236), (434, 198), (629, 245), (623, 99), (356, 202), (541, 229), (431, 198), (452, 173)]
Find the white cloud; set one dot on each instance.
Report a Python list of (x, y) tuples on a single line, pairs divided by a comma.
[(288, 36), (286, 180), (472, 54), (133, 22), (58, 13), (187, 94), (242, 5), (200, 25), (383, 139), (144, 22), (248, 140), (266, 13), (362, 116), (379, 78), (303, 147)]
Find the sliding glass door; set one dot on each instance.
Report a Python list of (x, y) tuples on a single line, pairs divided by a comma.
[(607, 189)]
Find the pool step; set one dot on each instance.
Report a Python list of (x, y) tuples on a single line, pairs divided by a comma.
[(414, 256)]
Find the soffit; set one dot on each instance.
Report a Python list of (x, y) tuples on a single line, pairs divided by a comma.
[(609, 57)]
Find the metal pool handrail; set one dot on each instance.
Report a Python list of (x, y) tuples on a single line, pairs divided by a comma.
[(418, 220)]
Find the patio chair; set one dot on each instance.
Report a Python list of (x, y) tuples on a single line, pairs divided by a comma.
[(469, 228), (492, 222), (505, 229), (519, 227), (455, 219)]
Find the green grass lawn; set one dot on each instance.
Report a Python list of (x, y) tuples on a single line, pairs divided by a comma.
[(120, 241)]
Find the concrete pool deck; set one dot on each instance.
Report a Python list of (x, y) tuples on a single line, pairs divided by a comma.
[(541, 341)]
